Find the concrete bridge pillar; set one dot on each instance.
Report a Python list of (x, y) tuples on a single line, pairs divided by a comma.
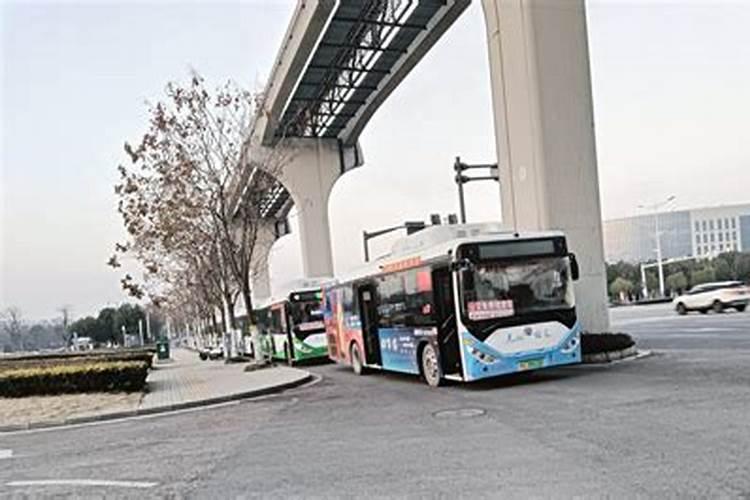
[(541, 88), (260, 268), (310, 169)]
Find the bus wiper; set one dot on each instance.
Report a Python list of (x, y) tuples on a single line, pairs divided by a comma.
[(491, 326)]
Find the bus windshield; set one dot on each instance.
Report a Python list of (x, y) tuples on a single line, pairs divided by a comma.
[(307, 317), (492, 290)]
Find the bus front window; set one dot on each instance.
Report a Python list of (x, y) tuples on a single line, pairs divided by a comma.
[(307, 318), (492, 290)]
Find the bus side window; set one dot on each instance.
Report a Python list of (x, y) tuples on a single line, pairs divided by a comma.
[(346, 300), (391, 306), (419, 297), (277, 320)]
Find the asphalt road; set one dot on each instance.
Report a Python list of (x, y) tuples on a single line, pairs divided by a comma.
[(673, 424)]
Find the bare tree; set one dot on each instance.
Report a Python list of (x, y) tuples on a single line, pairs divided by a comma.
[(177, 199), (13, 327), (65, 334)]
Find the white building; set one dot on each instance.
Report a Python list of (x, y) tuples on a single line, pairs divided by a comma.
[(699, 232)]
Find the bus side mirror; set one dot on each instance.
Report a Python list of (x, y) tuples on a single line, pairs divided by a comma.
[(575, 272)]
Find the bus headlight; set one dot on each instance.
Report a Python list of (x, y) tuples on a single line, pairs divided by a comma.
[(481, 356), (571, 344), (302, 348)]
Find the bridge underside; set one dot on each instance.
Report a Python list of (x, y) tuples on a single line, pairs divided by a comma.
[(362, 46), (339, 62)]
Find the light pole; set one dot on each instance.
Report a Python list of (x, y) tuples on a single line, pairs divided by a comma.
[(655, 207), (462, 179)]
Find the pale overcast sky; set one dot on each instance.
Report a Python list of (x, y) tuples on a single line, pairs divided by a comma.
[(671, 104)]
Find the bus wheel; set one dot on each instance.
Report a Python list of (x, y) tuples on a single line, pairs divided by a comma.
[(356, 357), (430, 365)]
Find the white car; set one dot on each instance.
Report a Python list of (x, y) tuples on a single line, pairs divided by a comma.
[(714, 296)]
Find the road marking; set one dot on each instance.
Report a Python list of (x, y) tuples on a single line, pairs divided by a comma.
[(6, 454), (82, 482)]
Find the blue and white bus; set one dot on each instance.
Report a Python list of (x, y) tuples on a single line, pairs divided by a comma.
[(458, 302)]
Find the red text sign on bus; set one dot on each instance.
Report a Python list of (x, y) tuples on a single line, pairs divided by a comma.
[(489, 309)]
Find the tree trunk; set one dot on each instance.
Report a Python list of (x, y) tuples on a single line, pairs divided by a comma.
[(230, 310), (214, 323), (247, 298), (223, 321)]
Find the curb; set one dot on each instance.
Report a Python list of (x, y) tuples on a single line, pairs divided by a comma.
[(49, 424), (608, 357)]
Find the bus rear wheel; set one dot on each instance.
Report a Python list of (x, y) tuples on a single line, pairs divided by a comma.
[(356, 356), (430, 364)]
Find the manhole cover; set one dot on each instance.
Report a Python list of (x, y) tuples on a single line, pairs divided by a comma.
[(459, 413)]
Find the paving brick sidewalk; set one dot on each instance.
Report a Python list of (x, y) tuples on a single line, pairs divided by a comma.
[(187, 379)]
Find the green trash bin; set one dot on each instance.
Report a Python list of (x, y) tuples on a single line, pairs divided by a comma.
[(162, 349)]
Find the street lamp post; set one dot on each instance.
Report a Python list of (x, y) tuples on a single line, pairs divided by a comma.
[(660, 266), (462, 179)]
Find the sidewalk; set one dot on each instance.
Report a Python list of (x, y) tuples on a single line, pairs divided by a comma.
[(182, 382), (185, 380)]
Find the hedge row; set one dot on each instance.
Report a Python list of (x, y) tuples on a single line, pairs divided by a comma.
[(81, 354), (96, 376), (94, 356)]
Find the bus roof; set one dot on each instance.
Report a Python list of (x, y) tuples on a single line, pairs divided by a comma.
[(438, 241), (297, 285)]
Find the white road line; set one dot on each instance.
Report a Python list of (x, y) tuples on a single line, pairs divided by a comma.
[(83, 482), (6, 454)]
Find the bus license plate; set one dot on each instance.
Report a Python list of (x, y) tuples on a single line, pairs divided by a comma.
[(531, 364)]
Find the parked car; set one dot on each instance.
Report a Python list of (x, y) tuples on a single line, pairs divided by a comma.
[(217, 352), (714, 297), (203, 353)]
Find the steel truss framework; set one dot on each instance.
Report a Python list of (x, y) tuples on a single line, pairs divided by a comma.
[(363, 41)]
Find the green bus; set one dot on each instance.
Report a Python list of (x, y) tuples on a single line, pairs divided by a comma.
[(291, 322)]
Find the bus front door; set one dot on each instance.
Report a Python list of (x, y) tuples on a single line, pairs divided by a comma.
[(369, 318), (445, 314)]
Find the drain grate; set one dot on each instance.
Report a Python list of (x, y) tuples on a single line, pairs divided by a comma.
[(460, 413)]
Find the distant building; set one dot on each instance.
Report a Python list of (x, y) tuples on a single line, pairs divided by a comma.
[(700, 232)]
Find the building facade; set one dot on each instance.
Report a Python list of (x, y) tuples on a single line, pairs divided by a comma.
[(700, 232)]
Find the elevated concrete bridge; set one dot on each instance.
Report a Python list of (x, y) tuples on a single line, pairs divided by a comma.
[(339, 61)]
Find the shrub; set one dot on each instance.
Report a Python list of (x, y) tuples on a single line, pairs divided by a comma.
[(93, 376), (33, 360)]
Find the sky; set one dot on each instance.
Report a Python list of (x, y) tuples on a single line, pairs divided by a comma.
[(669, 79)]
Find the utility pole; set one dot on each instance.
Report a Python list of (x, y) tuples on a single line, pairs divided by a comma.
[(459, 167), (148, 326), (657, 233)]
